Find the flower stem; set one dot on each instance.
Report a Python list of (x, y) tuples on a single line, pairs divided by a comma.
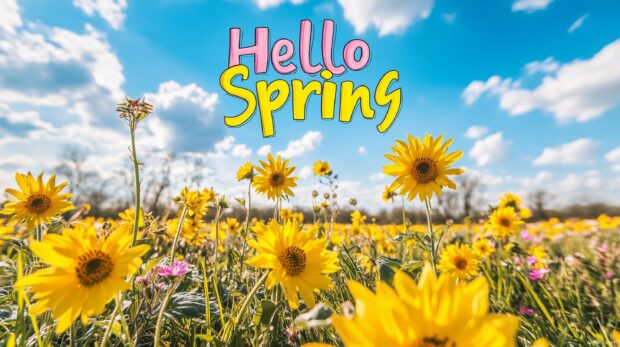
[(404, 216), (247, 226), (244, 306), (136, 169), (431, 235), (108, 329), (178, 232), (160, 317)]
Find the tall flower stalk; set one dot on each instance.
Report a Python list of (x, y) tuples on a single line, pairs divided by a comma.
[(132, 112)]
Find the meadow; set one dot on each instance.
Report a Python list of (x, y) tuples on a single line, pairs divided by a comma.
[(199, 277)]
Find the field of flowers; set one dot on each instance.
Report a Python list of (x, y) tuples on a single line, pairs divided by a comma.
[(185, 279)]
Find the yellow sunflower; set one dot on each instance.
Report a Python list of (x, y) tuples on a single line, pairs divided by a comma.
[(299, 262), (388, 194), (274, 178), (421, 167), (36, 202), (195, 201), (504, 222), (433, 312), (245, 172), (322, 168), (510, 200), (86, 272), (483, 248), (459, 261), (209, 195)]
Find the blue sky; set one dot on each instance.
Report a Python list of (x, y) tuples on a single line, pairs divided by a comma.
[(529, 89)]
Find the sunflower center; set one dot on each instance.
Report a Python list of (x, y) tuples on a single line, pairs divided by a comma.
[(460, 263), (434, 341), (293, 259), (424, 170), (276, 179), (93, 267), (505, 222), (38, 203)]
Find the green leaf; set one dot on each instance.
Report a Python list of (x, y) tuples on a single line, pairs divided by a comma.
[(264, 312), (319, 316)]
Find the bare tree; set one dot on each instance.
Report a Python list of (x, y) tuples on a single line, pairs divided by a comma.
[(539, 199), (468, 187)]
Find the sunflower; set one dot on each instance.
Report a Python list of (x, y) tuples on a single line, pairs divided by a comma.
[(514, 201), (504, 222), (510, 200), (483, 248), (422, 167), (209, 195), (434, 312), (37, 202), (194, 201), (245, 172), (459, 261), (274, 179), (85, 273), (388, 194), (322, 168), (298, 261)]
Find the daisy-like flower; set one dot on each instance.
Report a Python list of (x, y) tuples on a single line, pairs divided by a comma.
[(321, 168), (86, 272), (209, 195), (483, 248), (195, 202), (36, 202), (433, 312), (510, 200), (177, 268), (514, 201), (274, 178), (299, 262), (459, 261), (388, 194), (422, 167), (245, 172), (504, 222)]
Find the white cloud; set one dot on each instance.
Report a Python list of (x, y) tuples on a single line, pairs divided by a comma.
[(378, 176), (361, 150), (530, 5), (494, 85), (616, 167), (171, 93), (387, 16), (546, 66), (16, 160), (9, 15), (536, 181), (476, 132), (613, 155), (577, 24), (590, 180), (489, 150), (188, 110), (305, 172), (228, 146), (306, 143), (265, 4), (580, 151), (578, 91), (264, 150), (112, 11)]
